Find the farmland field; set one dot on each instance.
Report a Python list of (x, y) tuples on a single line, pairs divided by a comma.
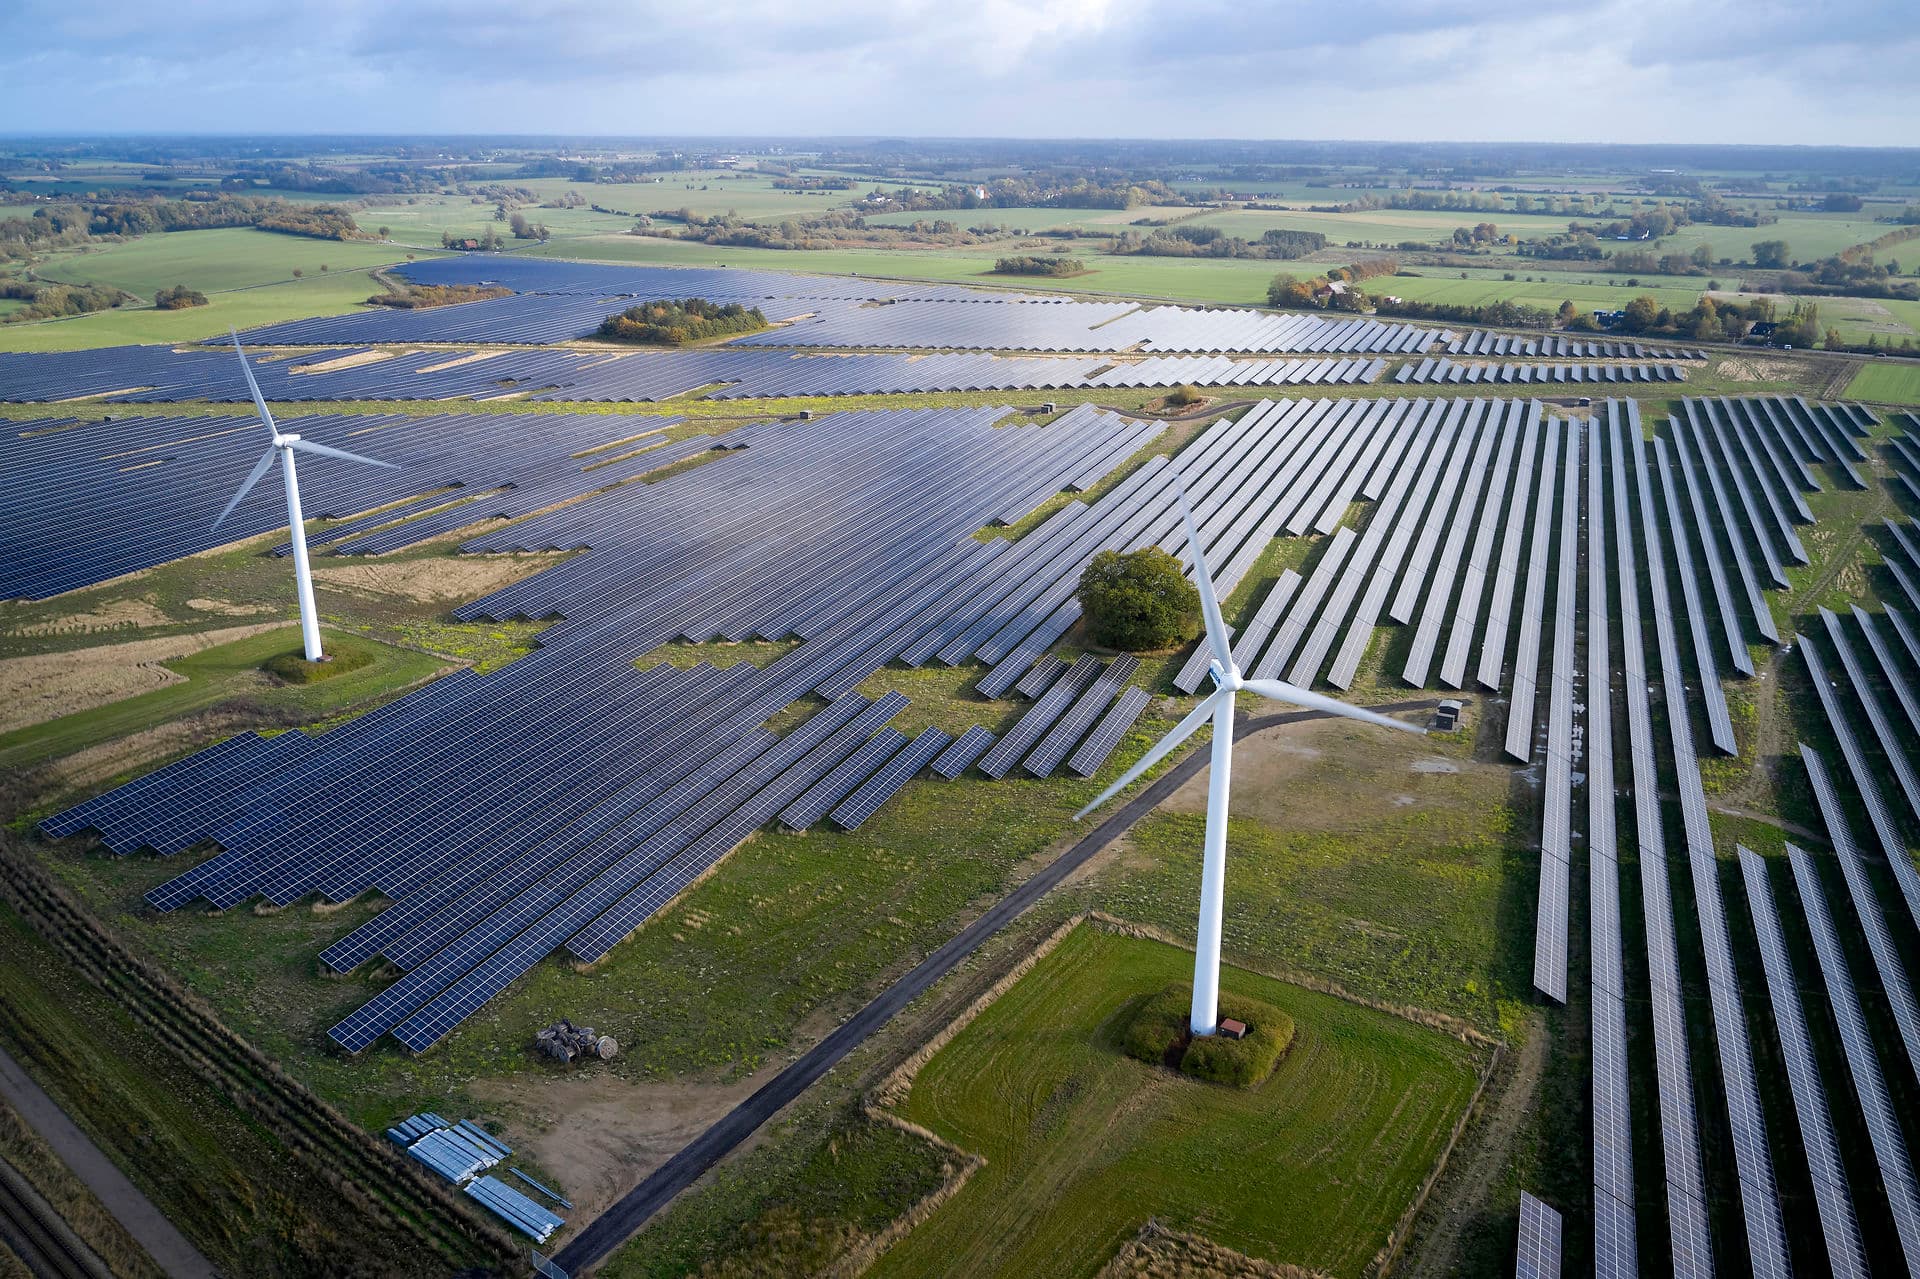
[(1893, 382), (330, 294), (1031, 219), (214, 261), (1084, 1143)]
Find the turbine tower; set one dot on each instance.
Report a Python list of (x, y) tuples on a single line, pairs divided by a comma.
[(283, 447), (1218, 706)]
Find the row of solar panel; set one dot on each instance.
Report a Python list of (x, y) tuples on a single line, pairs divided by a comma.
[(1556, 346), (1445, 370), (159, 374)]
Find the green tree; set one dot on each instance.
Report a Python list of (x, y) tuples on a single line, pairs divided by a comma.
[(1641, 314), (1567, 312), (1702, 256), (1772, 255), (1139, 601)]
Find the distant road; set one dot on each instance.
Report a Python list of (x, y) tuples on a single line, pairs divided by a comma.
[(150, 1229), (633, 1210)]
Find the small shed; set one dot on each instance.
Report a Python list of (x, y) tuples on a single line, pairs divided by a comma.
[(1447, 717), (1231, 1029)]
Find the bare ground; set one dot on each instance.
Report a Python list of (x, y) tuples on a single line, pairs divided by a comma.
[(599, 1134), (436, 580), (1159, 1253), (1355, 772), (1484, 1156), (46, 686), (142, 611)]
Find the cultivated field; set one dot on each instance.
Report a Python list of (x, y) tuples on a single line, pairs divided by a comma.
[(1887, 383)]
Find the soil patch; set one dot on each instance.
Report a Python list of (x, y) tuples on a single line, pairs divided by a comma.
[(1328, 775), (228, 609), (143, 611), (46, 686), (434, 580), (1741, 368), (599, 1134)]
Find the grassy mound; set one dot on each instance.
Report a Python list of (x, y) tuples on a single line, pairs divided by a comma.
[(1158, 1033), (341, 656)]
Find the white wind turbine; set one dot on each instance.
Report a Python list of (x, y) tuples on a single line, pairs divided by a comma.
[(283, 447), (1218, 706)]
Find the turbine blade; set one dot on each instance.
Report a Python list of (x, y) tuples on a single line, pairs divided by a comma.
[(1181, 732), (253, 477), (308, 446), (1280, 691), (1209, 604), (259, 400)]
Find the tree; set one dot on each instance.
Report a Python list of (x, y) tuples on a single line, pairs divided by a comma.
[(1567, 312), (386, 232), (1641, 314), (1289, 290), (1772, 255), (297, 273), (1702, 256), (1139, 601)]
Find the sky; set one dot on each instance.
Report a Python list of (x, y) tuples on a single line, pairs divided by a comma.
[(1700, 71)]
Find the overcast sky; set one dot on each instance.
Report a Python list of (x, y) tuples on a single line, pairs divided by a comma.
[(1546, 70)]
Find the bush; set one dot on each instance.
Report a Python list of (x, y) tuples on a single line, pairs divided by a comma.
[(178, 298), (1139, 601), (1241, 1063), (1159, 1032), (1036, 265), (1160, 1024), (342, 656), (677, 323), (1183, 395)]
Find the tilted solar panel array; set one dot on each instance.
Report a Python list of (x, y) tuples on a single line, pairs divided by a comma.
[(113, 497), (161, 374), (1839, 1228), (1436, 371), (1862, 1060), (1539, 1247), (1061, 325), (1559, 346)]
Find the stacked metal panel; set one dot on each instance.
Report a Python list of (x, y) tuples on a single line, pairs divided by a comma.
[(532, 1219), (1539, 1248)]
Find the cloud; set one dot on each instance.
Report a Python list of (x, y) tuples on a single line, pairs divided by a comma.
[(1601, 70)]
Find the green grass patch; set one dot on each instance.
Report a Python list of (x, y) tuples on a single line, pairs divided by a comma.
[(789, 1208), (342, 656), (1887, 382), (213, 261), (218, 674), (335, 293), (1083, 1143)]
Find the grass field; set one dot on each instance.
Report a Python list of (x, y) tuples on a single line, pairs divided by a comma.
[(1809, 237), (417, 221), (1038, 219), (1083, 1143), (215, 675), (1889, 382), (704, 191), (330, 294), (213, 261), (1587, 291)]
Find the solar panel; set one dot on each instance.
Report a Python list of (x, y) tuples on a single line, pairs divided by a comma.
[(1539, 1249), (960, 756), (894, 774), (1863, 1063), (1838, 1227)]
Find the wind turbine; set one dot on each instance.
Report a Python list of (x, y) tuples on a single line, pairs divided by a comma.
[(1218, 706), (283, 447)]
